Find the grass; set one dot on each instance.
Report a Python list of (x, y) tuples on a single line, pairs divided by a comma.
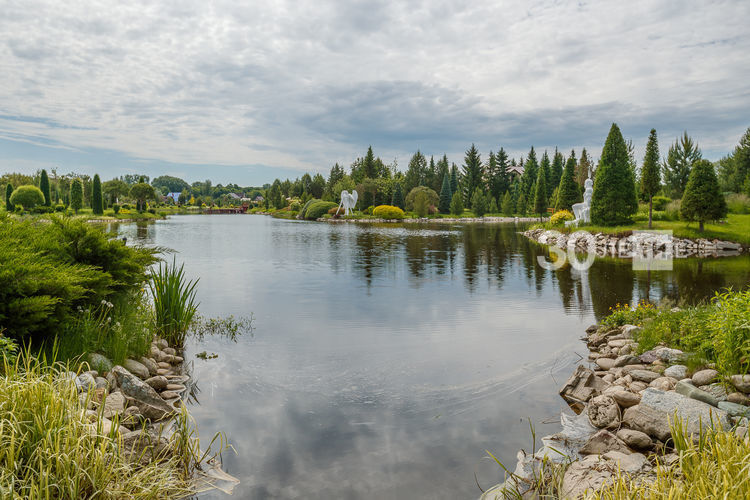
[(174, 302)]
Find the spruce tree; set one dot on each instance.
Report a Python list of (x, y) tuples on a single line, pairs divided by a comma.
[(368, 165), (431, 178), (472, 172), (614, 200), (558, 164), (702, 200), (531, 168), (478, 202), (568, 192), (445, 195), (680, 159), (8, 192), (96, 196), (398, 196), (650, 176), (76, 195), (443, 169), (500, 183), (457, 204), (521, 205), (549, 175), (741, 176), (492, 208), (507, 205), (540, 194), (454, 179), (44, 186), (583, 168)]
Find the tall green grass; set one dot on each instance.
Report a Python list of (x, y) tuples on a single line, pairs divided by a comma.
[(174, 302)]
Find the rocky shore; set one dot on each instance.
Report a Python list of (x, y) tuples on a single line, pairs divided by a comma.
[(642, 244), (133, 401), (451, 220), (624, 403)]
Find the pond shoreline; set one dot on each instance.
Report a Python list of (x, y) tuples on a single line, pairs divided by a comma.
[(444, 220)]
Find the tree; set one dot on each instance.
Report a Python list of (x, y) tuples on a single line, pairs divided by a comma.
[(568, 192), (529, 173), (317, 186), (614, 200), (44, 186), (540, 194), (457, 204), (499, 182), (583, 168), (650, 175), (8, 192), (492, 208), (431, 179), (76, 194), (443, 169), (445, 195), (398, 196), (472, 172), (551, 175), (27, 196), (432, 197), (274, 195), (454, 179), (741, 161), (702, 200), (368, 164), (415, 173), (521, 204), (184, 197), (96, 197), (421, 201), (115, 189), (478, 202), (680, 159), (169, 184), (507, 204), (142, 192)]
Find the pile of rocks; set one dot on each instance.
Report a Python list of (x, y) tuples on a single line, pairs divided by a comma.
[(136, 395), (640, 243)]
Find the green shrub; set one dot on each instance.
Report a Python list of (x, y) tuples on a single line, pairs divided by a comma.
[(295, 206), (368, 210), (457, 204), (41, 209), (59, 207), (126, 206), (660, 202), (318, 208), (28, 196), (152, 211), (559, 217), (388, 212), (431, 197), (303, 212), (116, 208), (174, 302), (336, 211), (738, 203), (672, 211)]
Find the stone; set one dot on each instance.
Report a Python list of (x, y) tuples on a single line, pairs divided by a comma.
[(676, 371), (592, 329), (585, 476), (626, 359), (114, 404), (605, 363), (159, 382), (638, 386), (609, 378), (630, 330), (162, 371), (646, 376), (663, 383), (739, 398), (175, 387), (169, 350), (741, 382), (178, 379), (101, 383), (662, 353), (601, 337), (144, 447), (717, 390), (582, 386), (85, 382), (136, 368), (630, 463), (602, 442), (629, 368), (150, 365), (163, 364), (695, 393), (635, 439), (618, 342), (99, 362), (704, 377), (178, 360), (148, 401), (162, 344), (652, 415), (603, 412), (734, 409), (111, 380), (626, 399), (626, 349), (167, 395)]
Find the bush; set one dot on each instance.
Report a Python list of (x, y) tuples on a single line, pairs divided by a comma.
[(28, 196), (295, 206), (368, 210), (559, 217), (126, 206), (59, 207), (672, 210), (388, 212), (336, 211), (457, 204), (303, 212), (432, 197), (174, 302), (116, 208), (660, 202), (152, 211), (738, 203), (41, 209), (318, 208)]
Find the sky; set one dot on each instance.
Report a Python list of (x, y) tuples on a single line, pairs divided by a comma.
[(247, 92)]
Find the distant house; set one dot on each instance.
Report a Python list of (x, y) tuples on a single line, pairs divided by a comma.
[(259, 199), (174, 196), (515, 170), (234, 196)]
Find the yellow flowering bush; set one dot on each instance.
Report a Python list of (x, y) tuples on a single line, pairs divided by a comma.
[(559, 217)]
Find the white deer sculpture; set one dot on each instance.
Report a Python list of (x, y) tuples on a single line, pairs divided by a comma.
[(348, 200)]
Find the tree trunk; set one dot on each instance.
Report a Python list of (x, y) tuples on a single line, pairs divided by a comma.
[(700, 226), (650, 207)]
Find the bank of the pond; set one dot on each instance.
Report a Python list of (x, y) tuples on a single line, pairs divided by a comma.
[(430, 220), (640, 412)]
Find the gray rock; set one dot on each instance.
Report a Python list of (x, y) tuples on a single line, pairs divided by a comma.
[(646, 376), (603, 412), (584, 477), (629, 368), (175, 387), (85, 382), (144, 447), (602, 442), (630, 463), (162, 344), (618, 342), (167, 395), (169, 350), (99, 362), (136, 368), (676, 371), (101, 383), (739, 398), (114, 404), (662, 353), (741, 382), (630, 330), (111, 380), (162, 371), (717, 390), (734, 409), (638, 386), (626, 359), (624, 398), (592, 329), (605, 363), (150, 365), (159, 382), (582, 386), (163, 364), (148, 401), (696, 393), (704, 377), (635, 439), (663, 383)]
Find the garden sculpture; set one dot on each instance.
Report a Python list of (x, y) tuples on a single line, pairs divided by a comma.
[(582, 211), (348, 200)]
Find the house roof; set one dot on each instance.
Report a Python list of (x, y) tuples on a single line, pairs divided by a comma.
[(515, 169)]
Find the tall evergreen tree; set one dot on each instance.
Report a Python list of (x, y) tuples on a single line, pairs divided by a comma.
[(490, 171), (583, 169), (96, 196), (472, 172), (702, 200), (741, 163), (478, 202), (507, 204), (454, 179), (44, 186), (558, 164), (614, 200), (398, 196), (457, 204), (500, 182), (540, 194), (415, 172), (76, 195), (568, 192), (680, 159), (368, 164), (431, 178), (445, 195), (530, 172), (551, 180), (650, 175), (8, 192), (443, 169)]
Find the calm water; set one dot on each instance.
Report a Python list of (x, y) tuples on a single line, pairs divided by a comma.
[(386, 359)]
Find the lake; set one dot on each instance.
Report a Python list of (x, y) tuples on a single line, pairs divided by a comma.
[(385, 359)]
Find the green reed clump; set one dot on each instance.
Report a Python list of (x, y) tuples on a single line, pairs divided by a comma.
[(48, 448), (174, 302)]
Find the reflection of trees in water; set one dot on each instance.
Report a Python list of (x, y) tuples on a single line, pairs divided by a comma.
[(610, 282)]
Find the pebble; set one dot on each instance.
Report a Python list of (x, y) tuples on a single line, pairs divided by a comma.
[(635, 439), (169, 350), (739, 398), (741, 382), (162, 371), (166, 395), (605, 363), (626, 359), (164, 364), (663, 383), (175, 387), (644, 375), (676, 371), (704, 377)]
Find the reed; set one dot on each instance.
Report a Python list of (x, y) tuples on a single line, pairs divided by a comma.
[(174, 302)]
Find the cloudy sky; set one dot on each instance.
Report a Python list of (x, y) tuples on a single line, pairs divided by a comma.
[(247, 93)]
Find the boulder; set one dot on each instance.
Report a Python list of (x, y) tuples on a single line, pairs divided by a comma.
[(114, 404), (99, 362), (162, 371), (144, 447), (626, 359), (717, 390), (582, 386), (638, 386), (704, 377), (624, 398), (162, 344), (101, 383), (159, 382), (618, 342), (592, 329), (85, 382), (734, 409), (136, 368), (629, 368), (676, 371), (602, 442), (603, 412), (630, 463), (167, 395), (646, 376), (630, 330), (148, 401), (663, 353), (663, 383), (605, 363), (739, 398), (741, 382), (131, 417), (149, 364), (111, 380), (635, 439), (586, 476), (163, 364), (695, 393)]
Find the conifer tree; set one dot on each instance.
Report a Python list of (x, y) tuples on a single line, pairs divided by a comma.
[(507, 205), (614, 200), (549, 174), (702, 200), (583, 168), (740, 180), (540, 194), (457, 204), (431, 178), (415, 172), (568, 192), (558, 164), (530, 172), (445, 195), (521, 204), (398, 196), (492, 208), (44, 186), (472, 172), (96, 196), (443, 169), (680, 159), (76, 195), (368, 165), (454, 179), (478, 202), (650, 177), (500, 183), (8, 192)]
